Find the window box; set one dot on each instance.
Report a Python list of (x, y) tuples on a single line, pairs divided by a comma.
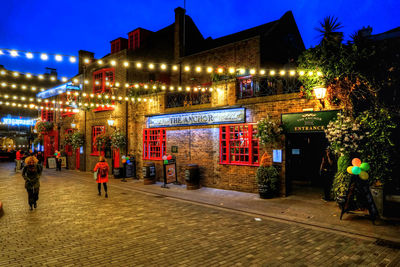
[(239, 145)]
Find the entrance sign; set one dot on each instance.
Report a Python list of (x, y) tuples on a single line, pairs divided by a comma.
[(221, 116), (306, 122), (18, 121)]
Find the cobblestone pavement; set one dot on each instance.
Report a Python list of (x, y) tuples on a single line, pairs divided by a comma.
[(74, 226)]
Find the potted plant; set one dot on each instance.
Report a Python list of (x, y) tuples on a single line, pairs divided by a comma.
[(267, 178)]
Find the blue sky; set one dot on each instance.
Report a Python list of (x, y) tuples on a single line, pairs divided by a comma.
[(66, 26)]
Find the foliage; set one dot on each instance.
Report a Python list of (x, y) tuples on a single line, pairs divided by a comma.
[(118, 139), (344, 135), (341, 180), (44, 126), (77, 140), (101, 140), (343, 69), (378, 147), (68, 139), (268, 177), (269, 131)]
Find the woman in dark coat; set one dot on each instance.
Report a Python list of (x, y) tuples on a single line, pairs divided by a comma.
[(31, 174)]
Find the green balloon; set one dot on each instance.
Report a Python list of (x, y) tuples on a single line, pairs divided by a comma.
[(356, 170), (365, 166)]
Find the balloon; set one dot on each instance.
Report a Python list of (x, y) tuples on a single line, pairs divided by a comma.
[(364, 175), (123, 161), (356, 162), (127, 158), (364, 166), (349, 169), (356, 170), (123, 157), (164, 157), (128, 161), (169, 157)]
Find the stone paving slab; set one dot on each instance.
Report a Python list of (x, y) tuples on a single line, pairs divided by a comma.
[(74, 226)]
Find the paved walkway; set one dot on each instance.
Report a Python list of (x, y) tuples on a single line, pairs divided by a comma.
[(74, 226)]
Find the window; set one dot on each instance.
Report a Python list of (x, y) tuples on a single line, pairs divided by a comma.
[(115, 46), (96, 131), (134, 40), (246, 86), (238, 145), (154, 143), (103, 80), (47, 114)]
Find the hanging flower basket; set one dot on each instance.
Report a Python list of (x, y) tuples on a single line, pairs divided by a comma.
[(44, 126), (101, 140), (77, 140), (118, 139), (269, 131)]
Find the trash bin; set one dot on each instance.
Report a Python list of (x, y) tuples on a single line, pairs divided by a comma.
[(192, 177), (149, 173), (377, 195)]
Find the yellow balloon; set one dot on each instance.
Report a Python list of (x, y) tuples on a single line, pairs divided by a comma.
[(364, 175), (349, 169)]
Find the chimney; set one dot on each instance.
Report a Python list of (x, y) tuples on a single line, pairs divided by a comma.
[(82, 56), (179, 44), (366, 32)]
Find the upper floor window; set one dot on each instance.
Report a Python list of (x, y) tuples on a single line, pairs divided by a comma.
[(47, 114), (115, 46), (134, 40), (103, 80)]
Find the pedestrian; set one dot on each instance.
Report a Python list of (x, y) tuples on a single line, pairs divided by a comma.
[(102, 174), (31, 174), (58, 160), (18, 158), (40, 157), (327, 172)]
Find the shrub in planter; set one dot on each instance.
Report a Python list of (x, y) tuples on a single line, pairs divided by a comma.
[(267, 178)]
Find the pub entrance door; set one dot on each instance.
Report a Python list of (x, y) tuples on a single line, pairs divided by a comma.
[(303, 159)]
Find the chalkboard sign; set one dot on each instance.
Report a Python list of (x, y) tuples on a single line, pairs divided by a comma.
[(170, 172), (359, 189), (51, 163), (63, 162)]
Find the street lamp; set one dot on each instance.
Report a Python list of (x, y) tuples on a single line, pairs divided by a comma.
[(320, 93), (111, 122)]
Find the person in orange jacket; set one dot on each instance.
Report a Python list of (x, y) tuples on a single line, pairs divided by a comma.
[(102, 174)]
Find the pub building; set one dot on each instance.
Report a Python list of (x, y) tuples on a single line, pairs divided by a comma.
[(198, 116)]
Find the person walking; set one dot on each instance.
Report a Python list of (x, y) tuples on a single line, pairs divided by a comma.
[(102, 174), (327, 172), (31, 174)]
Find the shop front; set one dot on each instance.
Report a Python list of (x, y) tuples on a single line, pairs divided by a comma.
[(305, 144), (219, 142)]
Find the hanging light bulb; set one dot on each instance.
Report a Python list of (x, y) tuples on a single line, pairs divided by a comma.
[(44, 56), (72, 59), (13, 53), (29, 55), (58, 58)]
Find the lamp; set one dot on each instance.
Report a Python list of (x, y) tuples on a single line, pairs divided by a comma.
[(320, 93), (111, 122), (73, 124)]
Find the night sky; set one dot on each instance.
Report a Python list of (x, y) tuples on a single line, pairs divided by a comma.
[(66, 26)]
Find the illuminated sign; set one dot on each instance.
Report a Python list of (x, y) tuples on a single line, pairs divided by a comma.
[(58, 90), (308, 121), (18, 121), (221, 116)]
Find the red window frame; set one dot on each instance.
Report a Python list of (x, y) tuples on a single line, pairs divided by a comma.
[(239, 145), (47, 114), (102, 77), (154, 143), (68, 148), (96, 131), (134, 40), (115, 46)]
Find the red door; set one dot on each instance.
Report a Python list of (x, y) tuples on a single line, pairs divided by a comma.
[(50, 143), (77, 158)]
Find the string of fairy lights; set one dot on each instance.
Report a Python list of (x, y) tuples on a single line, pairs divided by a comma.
[(40, 55)]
